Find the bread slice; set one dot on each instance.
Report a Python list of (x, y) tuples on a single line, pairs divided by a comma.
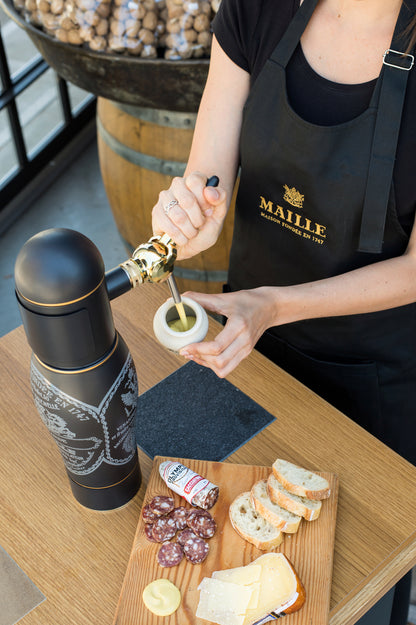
[(272, 512), (306, 508), (301, 481), (251, 526)]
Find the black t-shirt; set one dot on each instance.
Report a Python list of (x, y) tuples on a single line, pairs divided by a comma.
[(249, 30)]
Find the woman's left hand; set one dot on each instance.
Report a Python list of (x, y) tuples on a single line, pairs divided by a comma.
[(249, 313)]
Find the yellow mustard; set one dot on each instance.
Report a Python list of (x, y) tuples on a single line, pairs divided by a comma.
[(177, 325), (162, 597)]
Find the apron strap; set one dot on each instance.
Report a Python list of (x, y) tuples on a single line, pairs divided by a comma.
[(396, 67), (288, 43)]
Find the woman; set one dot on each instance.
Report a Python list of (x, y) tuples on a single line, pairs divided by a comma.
[(306, 277), (322, 274)]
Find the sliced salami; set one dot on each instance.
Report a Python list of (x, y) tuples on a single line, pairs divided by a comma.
[(148, 532), (202, 523), (170, 554), (195, 550), (161, 504), (148, 515), (183, 536), (180, 515), (195, 512), (163, 529)]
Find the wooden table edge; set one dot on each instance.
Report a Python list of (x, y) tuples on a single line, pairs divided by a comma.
[(385, 576)]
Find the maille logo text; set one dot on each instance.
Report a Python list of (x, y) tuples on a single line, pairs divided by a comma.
[(296, 222)]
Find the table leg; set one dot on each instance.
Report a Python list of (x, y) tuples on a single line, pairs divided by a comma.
[(380, 613)]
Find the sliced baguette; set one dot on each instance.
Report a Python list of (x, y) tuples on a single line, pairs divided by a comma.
[(272, 512), (306, 508), (301, 481), (251, 526)]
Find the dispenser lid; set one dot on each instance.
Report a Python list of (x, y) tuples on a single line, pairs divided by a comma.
[(58, 266)]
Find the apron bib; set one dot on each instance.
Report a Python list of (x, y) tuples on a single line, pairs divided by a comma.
[(299, 216)]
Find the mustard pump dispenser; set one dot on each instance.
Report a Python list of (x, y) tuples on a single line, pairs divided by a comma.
[(83, 378)]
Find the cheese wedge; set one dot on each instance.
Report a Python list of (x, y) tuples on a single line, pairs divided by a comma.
[(244, 576), (260, 591), (223, 602)]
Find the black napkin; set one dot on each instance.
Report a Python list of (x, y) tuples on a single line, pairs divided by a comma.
[(194, 414)]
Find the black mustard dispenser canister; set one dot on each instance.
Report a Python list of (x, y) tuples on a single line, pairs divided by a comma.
[(83, 378)]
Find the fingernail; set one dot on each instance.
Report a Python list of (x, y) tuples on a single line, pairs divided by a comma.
[(208, 212)]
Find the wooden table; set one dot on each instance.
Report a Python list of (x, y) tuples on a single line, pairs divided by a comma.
[(78, 557)]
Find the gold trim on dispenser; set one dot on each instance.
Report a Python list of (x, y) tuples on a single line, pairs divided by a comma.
[(84, 370), (109, 486), (73, 301)]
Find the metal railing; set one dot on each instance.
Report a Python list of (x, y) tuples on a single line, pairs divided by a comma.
[(29, 163)]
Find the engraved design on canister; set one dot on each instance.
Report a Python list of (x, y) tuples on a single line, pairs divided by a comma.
[(68, 419)]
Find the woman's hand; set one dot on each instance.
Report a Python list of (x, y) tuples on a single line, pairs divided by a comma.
[(249, 313), (191, 213)]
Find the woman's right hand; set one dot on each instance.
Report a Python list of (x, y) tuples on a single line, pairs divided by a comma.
[(191, 213)]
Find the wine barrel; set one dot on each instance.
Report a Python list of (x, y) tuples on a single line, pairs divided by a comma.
[(140, 151)]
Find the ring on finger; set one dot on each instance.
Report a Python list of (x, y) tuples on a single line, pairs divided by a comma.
[(170, 205)]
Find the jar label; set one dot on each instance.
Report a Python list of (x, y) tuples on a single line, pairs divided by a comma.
[(89, 435)]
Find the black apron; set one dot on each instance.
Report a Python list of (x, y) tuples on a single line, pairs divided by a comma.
[(299, 216)]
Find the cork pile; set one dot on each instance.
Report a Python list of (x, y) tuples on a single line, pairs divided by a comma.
[(170, 29)]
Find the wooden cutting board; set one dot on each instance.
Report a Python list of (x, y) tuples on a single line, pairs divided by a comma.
[(310, 550)]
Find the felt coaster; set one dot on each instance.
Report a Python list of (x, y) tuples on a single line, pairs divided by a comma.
[(194, 414), (18, 594)]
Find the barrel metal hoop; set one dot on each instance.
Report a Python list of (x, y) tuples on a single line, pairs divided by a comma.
[(201, 275), (162, 166), (160, 117)]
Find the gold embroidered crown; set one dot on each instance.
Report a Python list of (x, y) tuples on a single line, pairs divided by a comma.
[(293, 196)]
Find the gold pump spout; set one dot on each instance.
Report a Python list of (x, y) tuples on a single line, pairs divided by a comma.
[(152, 261)]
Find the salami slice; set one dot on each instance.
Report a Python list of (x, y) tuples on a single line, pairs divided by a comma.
[(195, 550), (148, 532), (195, 512), (148, 515), (163, 529), (170, 554), (183, 536), (202, 523), (180, 515), (161, 504)]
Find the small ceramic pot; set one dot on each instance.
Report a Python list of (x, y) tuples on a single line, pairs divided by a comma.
[(173, 340)]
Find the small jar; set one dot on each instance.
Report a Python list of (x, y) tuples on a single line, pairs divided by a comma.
[(168, 313)]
